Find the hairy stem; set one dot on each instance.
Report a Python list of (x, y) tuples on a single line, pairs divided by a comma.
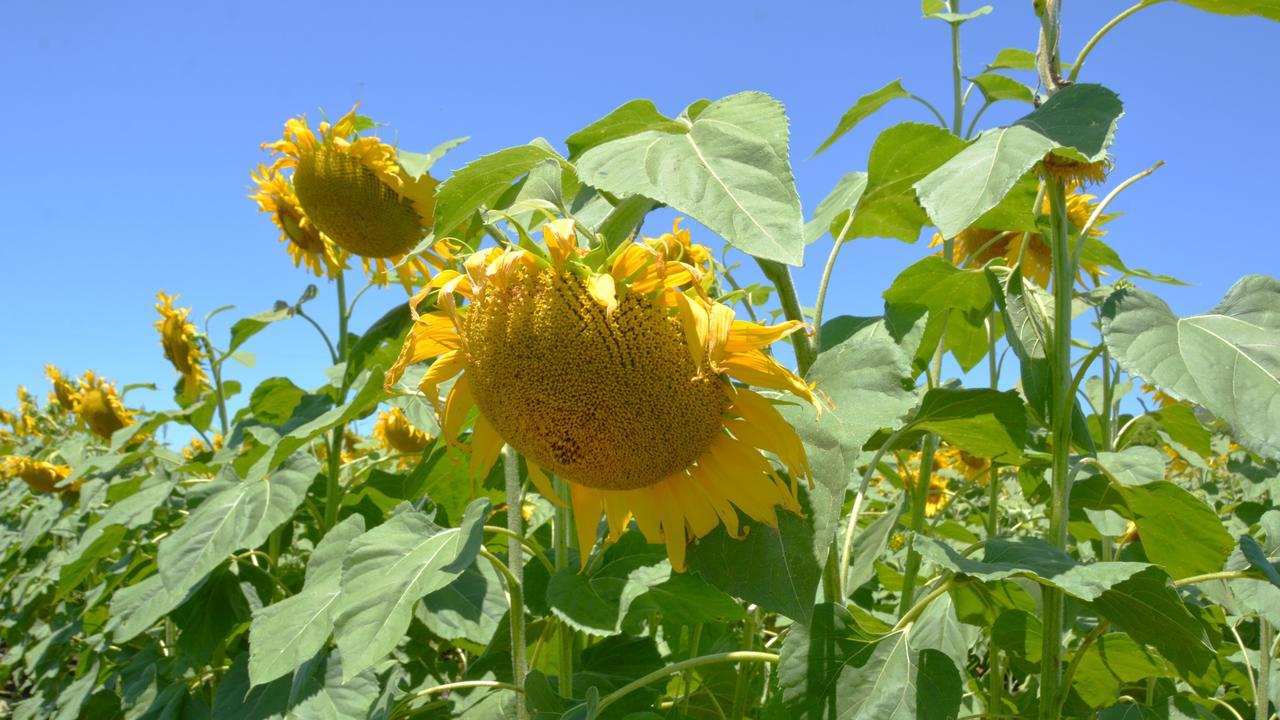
[(780, 276), (919, 498), (562, 533)]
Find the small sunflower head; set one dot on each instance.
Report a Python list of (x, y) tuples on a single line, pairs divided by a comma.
[(178, 338), (353, 189), (304, 243), (970, 467), (100, 408), (198, 446), (40, 476), (63, 391), (394, 432), (1074, 171)]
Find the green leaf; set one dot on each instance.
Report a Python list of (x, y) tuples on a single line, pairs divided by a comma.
[(1180, 422), (982, 422), (385, 329), (939, 687), (834, 211), (138, 606), (1146, 606), (1033, 559), (1111, 663), (481, 181), (866, 106), (829, 670), (1019, 633), (1269, 9), (1258, 559), (1013, 59), (783, 574), (1097, 252), (418, 164), (286, 634), (469, 608), (630, 118), (596, 603), (998, 87), (958, 18), (730, 171), (867, 380), (957, 299), (1227, 360), (1078, 122), (901, 156), (868, 545), (319, 690), (275, 399), (1179, 532), (685, 599), (240, 514), (245, 328), (1138, 465), (388, 569), (209, 616), (625, 220)]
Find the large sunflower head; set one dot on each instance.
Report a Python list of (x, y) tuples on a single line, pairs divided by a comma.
[(305, 244), (178, 337), (394, 432), (353, 191), (39, 475), (100, 407), (614, 374)]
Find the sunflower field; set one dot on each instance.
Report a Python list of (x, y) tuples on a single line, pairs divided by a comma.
[(579, 470)]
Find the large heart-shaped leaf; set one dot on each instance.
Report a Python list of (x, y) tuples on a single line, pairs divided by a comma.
[(1227, 360), (728, 169)]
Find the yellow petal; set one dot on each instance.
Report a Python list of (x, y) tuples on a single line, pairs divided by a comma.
[(756, 368), (445, 367), (486, 445), (695, 322), (561, 240), (543, 483), (456, 408), (764, 427), (431, 335), (586, 515), (746, 336), (604, 291)]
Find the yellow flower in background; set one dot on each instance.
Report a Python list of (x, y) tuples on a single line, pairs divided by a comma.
[(198, 446), (975, 247), (64, 392), (604, 371), (304, 243), (25, 422), (939, 496), (394, 432), (100, 408), (354, 192), (39, 475), (1160, 398), (178, 337), (970, 467)]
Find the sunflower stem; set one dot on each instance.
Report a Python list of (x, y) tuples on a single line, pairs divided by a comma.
[(562, 532), (515, 601), (743, 683), (1262, 698), (780, 276), (675, 668), (515, 564), (919, 499), (957, 97), (333, 488)]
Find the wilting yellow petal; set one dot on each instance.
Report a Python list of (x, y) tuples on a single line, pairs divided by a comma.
[(561, 240), (746, 336), (543, 483), (486, 445), (586, 516)]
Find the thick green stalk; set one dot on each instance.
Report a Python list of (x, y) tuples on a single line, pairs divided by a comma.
[(743, 683), (957, 73), (780, 276), (333, 489), (1265, 637), (515, 601), (919, 498), (1063, 281), (515, 562), (561, 534)]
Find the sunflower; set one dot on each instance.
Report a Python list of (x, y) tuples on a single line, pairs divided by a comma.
[(975, 247), (939, 496), (394, 432), (26, 421), (970, 467), (100, 408), (64, 392), (304, 243), (1162, 400), (178, 337), (198, 446), (39, 475), (613, 373), (354, 192), (1074, 172)]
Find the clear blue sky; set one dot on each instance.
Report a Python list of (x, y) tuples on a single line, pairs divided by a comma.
[(134, 127)]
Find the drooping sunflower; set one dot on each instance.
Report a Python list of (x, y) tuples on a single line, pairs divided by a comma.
[(394, 432), (100, 408), (64, 392), (353, 190), (26, 421), (304, 243), (178, 337), (1074, 172), (975, 247), (198, 446), (613, 373), (39, 475)]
